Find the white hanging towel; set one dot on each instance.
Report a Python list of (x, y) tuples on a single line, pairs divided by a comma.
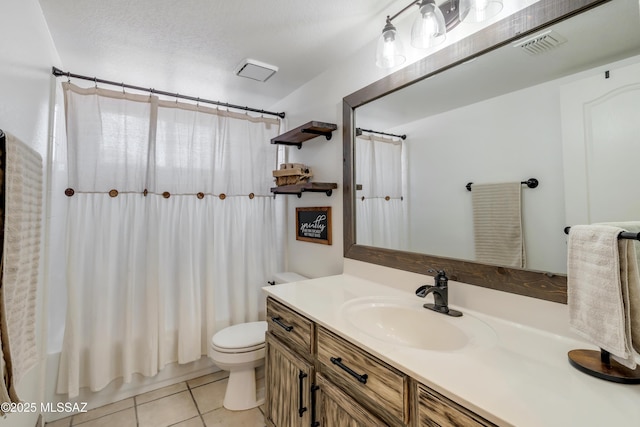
[(603, 289), (497, 224), (21, 255)]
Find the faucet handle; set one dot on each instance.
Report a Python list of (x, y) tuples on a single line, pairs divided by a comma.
[(440, 278)]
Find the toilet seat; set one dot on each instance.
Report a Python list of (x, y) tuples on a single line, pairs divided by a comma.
[(237, 350), (240, 338)]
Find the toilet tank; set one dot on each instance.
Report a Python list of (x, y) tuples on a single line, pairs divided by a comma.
[(286, 277)]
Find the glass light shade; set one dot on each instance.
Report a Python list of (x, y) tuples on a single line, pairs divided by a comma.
[(479, 10), (429, 28), (389, 52)]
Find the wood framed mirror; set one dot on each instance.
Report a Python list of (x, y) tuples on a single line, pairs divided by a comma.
[(540, 284)]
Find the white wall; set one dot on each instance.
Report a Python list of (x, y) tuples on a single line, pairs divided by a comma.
[(321, 99), (489, 141), (27, 54)]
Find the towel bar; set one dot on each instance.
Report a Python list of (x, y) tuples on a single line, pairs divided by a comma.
[(531, 183), (622, 235)]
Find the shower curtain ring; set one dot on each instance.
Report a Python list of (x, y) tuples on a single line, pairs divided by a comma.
[(95, 82), (122, 84), (68, 77)]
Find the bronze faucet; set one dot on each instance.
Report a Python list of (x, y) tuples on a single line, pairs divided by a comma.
[(440, 291)]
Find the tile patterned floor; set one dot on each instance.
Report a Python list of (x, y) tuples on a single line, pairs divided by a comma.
[(193, 403)]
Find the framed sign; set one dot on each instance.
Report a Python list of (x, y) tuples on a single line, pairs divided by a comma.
[(314, 225)]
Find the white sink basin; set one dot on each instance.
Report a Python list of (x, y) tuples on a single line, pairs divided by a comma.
[(403, 321)]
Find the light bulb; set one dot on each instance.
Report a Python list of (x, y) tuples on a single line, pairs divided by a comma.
[(479, 10), (389, 52), (429, 27)]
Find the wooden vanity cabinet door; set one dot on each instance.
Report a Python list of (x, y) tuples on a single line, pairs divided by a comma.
[(334, 408), (434, 410), (287, 395)]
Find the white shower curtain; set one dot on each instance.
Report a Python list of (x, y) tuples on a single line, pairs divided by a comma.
[(171, 231), (381, 214)]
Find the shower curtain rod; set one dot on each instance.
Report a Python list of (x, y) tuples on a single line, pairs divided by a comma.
[(360, 130), (59, 73)]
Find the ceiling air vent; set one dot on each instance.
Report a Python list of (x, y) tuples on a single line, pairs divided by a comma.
[(255, 70), (541, 43)]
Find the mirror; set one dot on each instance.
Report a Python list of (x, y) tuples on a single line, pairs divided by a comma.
[(481, 98)]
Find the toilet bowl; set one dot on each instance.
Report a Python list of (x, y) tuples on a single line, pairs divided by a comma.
[(239, 349)]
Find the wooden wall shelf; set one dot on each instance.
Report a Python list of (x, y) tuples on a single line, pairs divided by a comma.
[(304, 133), (298, 189)]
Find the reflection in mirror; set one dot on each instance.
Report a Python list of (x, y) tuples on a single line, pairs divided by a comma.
[(495, 119), (496, 107), (381, 214)]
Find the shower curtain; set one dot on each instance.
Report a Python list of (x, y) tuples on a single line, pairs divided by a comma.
[(170, 231), (381, 213)]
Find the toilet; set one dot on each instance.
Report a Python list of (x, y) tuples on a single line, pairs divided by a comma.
[(239, 349)]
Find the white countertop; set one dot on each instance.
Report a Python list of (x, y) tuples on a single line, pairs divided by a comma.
[(522, 378)]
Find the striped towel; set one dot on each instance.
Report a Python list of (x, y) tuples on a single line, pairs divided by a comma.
[(23, 178), (497, 224)]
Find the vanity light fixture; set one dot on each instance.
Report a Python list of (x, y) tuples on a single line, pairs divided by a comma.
[(430, 26)]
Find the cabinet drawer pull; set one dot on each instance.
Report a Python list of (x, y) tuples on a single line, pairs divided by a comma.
[(277, 320), (301, 409), (314, 388), (338, 361)]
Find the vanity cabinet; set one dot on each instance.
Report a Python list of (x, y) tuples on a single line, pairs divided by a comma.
[(434, 410), (316, 378)]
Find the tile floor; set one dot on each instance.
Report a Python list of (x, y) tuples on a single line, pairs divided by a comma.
[(193, 403)]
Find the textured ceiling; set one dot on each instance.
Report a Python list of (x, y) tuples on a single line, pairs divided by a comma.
[(193, 46)]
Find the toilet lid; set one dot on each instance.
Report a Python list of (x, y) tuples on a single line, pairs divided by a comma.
[(242, 335)]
